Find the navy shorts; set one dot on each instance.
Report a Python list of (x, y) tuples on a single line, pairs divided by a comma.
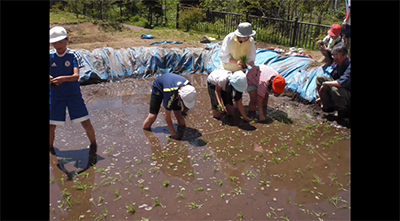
[(76, 109)]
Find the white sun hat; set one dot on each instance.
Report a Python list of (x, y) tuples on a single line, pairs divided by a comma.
[(238, 80), (188, 95), (57, 34), (245, 30)]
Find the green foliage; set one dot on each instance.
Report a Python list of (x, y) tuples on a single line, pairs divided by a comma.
[(189, 17)]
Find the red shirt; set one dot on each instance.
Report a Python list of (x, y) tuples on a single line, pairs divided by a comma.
[(261, 80)]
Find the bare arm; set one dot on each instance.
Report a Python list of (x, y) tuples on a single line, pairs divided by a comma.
[(260, 107), (61, 79), (170, 125), (218, 95)]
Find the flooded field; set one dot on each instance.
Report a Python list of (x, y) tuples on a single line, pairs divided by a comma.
[(294, 167)]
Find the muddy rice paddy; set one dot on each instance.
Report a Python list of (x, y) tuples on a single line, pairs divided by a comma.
[(294, 167)]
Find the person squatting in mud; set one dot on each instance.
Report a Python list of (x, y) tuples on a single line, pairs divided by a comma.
[(64, 90), (334, 91), (261, 83), (221, 85), (172, 89)]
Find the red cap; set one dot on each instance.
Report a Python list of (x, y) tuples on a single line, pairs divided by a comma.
[(278, 84), (335, 30)]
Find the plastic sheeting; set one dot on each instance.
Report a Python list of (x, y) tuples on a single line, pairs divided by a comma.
[(108, 64)]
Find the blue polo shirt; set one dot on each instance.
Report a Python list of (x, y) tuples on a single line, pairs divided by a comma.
[(168, 84), (342, 73), (63, 65)]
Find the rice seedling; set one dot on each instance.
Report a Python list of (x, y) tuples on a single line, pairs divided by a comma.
[(299, 171), (215, 169), (237, 191), (199, 188), (130, 208), (265, 140), (52, 180), (101, 199), (219, 182), (301, 141), (118, 195), (317, 180), (79, 186), (165, 183), (194, 205), (110, 151), (309, 167), (233, 179), (207, 156), (333, 177), (180, 194), (157, 202), (140, 172), (240, 216)]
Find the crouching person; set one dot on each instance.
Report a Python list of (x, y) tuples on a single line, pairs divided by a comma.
[(172, 89), (334, 91), (262, 82), (221, 85)]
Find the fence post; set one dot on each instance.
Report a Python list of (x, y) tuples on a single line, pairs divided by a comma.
[(177, 16), (296, 24)]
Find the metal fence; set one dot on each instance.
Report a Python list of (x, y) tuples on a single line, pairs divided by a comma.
[(269, 30)]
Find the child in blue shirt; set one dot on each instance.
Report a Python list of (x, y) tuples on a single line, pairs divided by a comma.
[(65, 91), (170, 89)]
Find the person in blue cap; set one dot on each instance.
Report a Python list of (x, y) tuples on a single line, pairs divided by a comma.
[(221, 85), (170, 89)]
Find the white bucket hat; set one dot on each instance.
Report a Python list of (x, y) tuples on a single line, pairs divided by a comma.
[(244, 30), (57, 34), (188, 95), (238, 80)]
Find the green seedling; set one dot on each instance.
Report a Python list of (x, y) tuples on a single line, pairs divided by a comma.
[(243, 59), (240, 216), (207, 156), (317, 180), (118, 195), (194, 205), (140, 172), (219, 182), (219, 107), (110, 151), (199, 188), (131, 208), (309, 167), (233, 179), (101, 199), (222, 195), (301, 141), (52, 180), (157, 202), (265, 140), (180, 194), (165, 183), (80, 186), (215, 169), (237, 191)]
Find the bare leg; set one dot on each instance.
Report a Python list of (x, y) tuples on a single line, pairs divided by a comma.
[(52, 135), (253, 100), (87, 125), (149, 121)]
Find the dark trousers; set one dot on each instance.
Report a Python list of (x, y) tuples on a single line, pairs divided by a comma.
[(333, 98)]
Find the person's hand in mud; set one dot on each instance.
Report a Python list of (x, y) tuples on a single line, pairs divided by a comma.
[(175, 137)]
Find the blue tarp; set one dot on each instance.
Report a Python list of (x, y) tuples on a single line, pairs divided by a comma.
[(108, 64)]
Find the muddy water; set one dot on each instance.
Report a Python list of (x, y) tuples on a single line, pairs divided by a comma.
[(295, 166)]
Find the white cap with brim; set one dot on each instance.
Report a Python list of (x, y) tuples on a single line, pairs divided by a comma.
[(238, 80), (57, 34), (188, 95)]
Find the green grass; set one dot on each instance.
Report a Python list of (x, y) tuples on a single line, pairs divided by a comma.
[(57, 17)]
